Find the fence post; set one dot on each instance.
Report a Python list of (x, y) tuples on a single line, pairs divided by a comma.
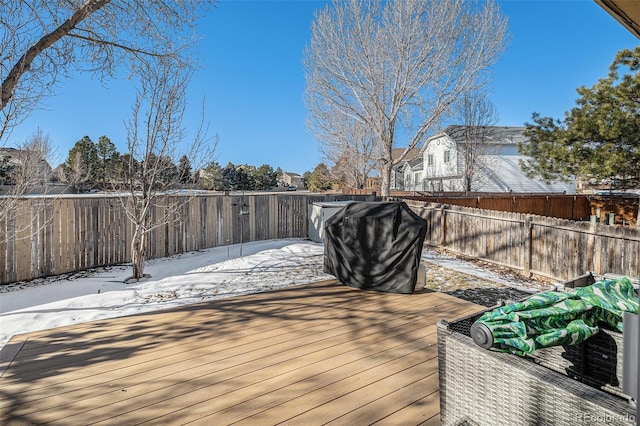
[(528, 246), (443, 225), (592, 250)]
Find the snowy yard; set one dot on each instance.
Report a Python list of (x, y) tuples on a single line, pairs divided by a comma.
[(209, 274)]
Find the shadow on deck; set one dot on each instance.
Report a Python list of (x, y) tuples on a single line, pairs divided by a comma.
[(310, 354)]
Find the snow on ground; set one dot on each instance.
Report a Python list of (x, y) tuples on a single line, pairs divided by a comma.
[(477, 281), (178, 280)]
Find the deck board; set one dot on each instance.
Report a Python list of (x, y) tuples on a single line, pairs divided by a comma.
[(311, 354)]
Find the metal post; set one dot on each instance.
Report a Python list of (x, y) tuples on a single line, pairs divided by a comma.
[(244, 211), (630, 360)]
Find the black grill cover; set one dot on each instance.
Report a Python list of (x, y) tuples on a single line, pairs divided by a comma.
[(375, 246)]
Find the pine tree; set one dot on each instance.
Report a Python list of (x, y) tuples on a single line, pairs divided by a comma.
[(599, 138), (107, 159), (82, 165), (211, 176), (184, 170), (265, 177), (320, 179), (238, 178)]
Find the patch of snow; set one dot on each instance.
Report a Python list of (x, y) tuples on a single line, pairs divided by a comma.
[(179, 280)]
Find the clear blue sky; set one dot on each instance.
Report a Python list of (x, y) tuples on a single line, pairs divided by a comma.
[(253, 80)]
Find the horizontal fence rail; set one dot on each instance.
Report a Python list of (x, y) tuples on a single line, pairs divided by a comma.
[(52, 236), (534, 245)]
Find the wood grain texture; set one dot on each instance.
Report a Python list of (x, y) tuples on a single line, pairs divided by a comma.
[(310, 354)]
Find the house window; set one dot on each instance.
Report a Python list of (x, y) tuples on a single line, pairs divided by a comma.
[(416, 180), (430, 160), (447, 156)]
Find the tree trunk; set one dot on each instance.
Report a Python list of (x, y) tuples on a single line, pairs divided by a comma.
[(137, 252), (386, 179)]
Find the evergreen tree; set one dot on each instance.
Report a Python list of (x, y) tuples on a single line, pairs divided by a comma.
[(211, 176), (342, 174), (265, 177), (599, 138), (82, 165), (237, 178), (107, 159), (184, 170), (320, 179), (246, 174), (306, 177), (126, 167), (167, 172)]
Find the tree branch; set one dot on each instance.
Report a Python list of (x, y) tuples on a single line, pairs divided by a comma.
[(25, 61), (119, 46)]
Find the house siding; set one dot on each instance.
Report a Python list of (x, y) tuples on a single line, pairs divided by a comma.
[(500, 170)]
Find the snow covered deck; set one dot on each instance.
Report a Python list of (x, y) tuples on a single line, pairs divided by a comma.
[(309, 354)]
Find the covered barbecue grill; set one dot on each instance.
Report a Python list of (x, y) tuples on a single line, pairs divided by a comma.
[(375, 246)]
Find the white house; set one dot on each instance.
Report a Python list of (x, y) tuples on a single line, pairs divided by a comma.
[(408, 175), (497, 170), (408, 172)]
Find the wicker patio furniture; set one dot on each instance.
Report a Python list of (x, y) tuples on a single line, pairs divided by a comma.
[(561, 385)]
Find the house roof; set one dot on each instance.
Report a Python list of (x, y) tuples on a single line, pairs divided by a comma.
[(505, 135), (505, 175), (416, 163), (397, 153)]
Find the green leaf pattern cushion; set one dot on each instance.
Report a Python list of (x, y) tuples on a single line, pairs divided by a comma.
[(560, 318)]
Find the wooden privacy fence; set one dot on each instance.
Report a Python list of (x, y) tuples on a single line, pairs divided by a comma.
[(52, 236), (67, 234), (534, 245), (573, 207)]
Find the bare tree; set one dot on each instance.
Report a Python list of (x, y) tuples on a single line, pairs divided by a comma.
[(155, 135), (477, 116), (397, 66), (348, 144), (42, 41), (23, 169)]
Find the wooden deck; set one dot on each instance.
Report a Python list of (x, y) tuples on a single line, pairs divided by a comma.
[(311, 354)]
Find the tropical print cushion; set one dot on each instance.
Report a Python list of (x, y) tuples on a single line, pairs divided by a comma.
[(558, 318)]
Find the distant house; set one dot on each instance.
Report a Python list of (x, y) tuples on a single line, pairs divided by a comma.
[(292, 179), (16, 158), (406, 173), (498, 170)]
